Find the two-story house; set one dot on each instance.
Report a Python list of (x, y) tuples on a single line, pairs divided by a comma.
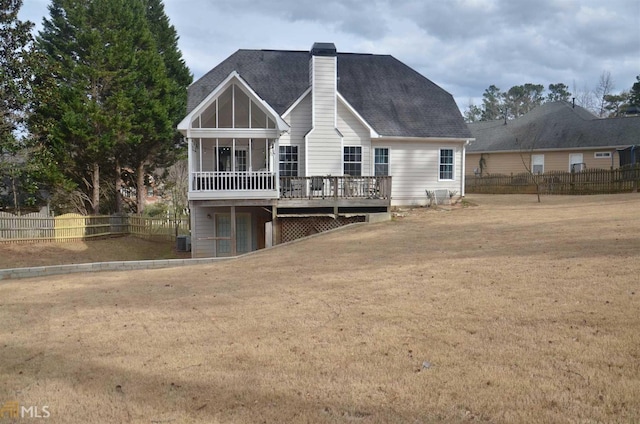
[(283, 144)]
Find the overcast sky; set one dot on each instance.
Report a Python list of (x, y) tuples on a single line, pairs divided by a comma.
[(462, 45)]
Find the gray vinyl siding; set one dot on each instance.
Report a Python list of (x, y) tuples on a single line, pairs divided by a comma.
[(354, 133), (323, 142), (414, 168), (202, 227), (300, 121)]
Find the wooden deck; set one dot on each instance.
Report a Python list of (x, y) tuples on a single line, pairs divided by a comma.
[(309, 192), (291, 192)]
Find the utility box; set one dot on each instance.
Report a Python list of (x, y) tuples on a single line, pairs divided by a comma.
[(183, 244)]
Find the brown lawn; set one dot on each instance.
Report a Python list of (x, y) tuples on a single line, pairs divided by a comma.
[(76, 252), (520, 312)]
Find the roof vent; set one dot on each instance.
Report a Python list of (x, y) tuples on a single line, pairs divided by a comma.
[(323, 49)]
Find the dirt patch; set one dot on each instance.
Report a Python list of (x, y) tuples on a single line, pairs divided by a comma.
[(508, 312)]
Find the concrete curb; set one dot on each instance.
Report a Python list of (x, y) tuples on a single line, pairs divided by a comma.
[(43, 271)]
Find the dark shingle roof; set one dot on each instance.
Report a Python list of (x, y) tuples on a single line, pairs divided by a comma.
[(554, 125), (393, 98)]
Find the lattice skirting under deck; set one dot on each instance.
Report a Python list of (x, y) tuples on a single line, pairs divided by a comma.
[(295, 228)]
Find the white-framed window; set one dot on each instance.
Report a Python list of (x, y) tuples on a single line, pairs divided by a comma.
[(602, 155), (352, 161), (288, 161), (576, 162), (381, 161), (445, 163), (537, 164), (241, 160)]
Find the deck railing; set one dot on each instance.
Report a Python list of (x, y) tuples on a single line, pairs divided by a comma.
[(335, 187), (318, 187), (233, 181)]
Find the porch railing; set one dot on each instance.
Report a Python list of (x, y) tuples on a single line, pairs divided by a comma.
[(320, 187), (336, 187), (233, 181)]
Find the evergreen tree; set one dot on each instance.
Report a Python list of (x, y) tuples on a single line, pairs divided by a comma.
[(616, 104), (472, 113), (15, 42), (107, 98), (74, 122), (159, 145), (634, 94), (558, 92), (17, 173), (520, 99), (492, 104)]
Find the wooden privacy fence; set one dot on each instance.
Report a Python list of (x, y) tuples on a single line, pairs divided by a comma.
[(156, 227), (71, 227), (589, 181)]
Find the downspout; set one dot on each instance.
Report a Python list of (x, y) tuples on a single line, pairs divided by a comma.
[(613, 155), (462, 171), (189, 164)]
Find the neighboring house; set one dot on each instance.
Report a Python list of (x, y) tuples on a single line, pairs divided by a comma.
[(555, 136), (153, 190), (284, 144)]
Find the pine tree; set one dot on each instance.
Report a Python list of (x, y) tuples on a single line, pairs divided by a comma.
[(634, 94), (558, 92), (74, 123), (492, 104), (109, 98), (160, 145)]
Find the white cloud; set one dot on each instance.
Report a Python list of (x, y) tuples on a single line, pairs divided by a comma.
[(462, 45)]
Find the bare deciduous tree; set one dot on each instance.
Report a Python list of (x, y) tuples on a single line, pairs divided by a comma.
[(584, 97), (177, 182), (536, 177), (603, 89)]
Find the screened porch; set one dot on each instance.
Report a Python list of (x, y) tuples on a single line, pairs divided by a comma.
[(231, 165), (232, 139)]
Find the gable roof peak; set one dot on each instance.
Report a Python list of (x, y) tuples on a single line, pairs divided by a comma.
[(394, 99)]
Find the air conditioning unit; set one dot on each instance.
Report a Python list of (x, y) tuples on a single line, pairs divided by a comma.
[(183, 244), (577, 167)]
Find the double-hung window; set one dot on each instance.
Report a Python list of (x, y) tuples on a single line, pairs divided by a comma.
[(446, 164), (537, 164), (288, 161), (381, 162), (352, 162)]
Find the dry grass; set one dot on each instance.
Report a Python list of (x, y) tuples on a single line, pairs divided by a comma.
[(527, 313), (76, 252)]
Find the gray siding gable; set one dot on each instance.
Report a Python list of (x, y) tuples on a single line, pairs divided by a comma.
[(394, 99)]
